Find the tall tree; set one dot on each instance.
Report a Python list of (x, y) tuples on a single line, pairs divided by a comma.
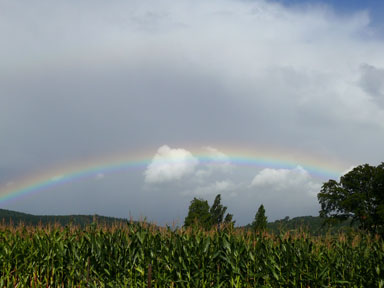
[(260, 222), (198, 214), (229, 220), (359, 195), (217, 211)]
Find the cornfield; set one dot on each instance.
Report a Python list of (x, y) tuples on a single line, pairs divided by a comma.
[(143, 255)]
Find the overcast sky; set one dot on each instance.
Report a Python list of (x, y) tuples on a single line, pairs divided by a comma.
[(81, 80)]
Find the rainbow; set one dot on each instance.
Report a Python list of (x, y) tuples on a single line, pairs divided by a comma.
[(125, 161)]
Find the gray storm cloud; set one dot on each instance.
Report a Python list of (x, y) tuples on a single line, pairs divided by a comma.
[(84, 79), (372, 81)]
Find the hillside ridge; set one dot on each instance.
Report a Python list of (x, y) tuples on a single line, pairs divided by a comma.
[(16, 217)]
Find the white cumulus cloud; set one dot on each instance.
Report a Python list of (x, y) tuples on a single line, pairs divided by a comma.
[(216, 187), (100, 176), (283, 192), (214, 161), (170, 164), (286, 179), (217, 159)]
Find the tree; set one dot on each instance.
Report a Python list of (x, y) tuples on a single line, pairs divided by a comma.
[(359, 195), (260, 222), (228, 219), (217, 211), (198, 214)]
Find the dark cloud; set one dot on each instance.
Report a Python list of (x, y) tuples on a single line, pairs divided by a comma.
[(372, 81), (80, 80)]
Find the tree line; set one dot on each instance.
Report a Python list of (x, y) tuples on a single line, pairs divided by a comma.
[(200, 214), (357, 198)]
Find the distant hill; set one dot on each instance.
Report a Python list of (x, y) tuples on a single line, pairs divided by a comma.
[(311, 224), (9, 216)]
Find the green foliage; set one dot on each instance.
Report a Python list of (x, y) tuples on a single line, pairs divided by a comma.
[(260, 222), (229, 219), (313, 225), (198, 214), (119, 256), (201, 215), (15, 218), (217, 211), (359, 195)]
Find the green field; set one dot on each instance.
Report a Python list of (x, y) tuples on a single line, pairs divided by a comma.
[(120, 256)]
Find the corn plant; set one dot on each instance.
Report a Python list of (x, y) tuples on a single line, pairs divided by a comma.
[(120, 255)]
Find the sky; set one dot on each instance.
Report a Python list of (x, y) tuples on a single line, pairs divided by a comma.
[(133, 108)]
